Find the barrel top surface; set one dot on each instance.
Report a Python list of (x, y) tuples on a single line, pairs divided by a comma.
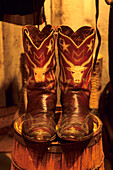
[(51, 146), (96, 121)]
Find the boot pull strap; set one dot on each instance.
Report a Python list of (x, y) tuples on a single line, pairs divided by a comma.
[(98, 33), (40, 12)]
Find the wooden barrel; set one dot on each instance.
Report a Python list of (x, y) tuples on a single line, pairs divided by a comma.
[(85, 155)]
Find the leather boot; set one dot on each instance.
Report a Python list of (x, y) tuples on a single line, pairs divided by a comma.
[(38, 122), (76, 65)]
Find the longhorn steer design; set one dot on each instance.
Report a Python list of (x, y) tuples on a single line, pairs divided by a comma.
[(76, 71), (39, 72)]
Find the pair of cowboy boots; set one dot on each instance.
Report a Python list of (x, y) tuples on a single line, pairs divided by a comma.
[(76, 65)]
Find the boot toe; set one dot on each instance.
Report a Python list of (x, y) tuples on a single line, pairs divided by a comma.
[(76, 131), (38, 133), (37, 129)]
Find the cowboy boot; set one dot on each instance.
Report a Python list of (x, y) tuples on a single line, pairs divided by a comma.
[(76, 65), (38, 122)]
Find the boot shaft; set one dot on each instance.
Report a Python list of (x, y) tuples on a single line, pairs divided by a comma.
[(40, 57), (76, 59)]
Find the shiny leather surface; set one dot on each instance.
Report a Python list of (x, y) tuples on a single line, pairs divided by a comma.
[(39, 124), (76, 65)]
